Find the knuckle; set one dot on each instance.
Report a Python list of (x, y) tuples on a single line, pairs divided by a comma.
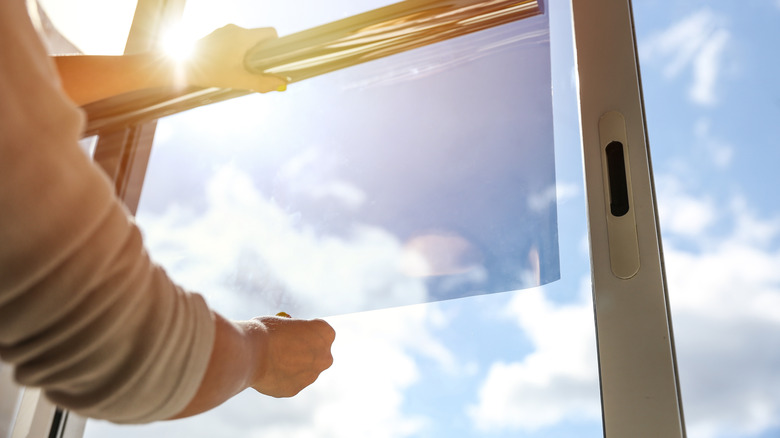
[(327, 361), (327, 330)]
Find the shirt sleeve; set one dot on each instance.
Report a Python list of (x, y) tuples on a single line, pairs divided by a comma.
[(84, 313)]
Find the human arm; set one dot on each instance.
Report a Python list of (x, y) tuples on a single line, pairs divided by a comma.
[(84, 313), (275, 356), (217, 61)]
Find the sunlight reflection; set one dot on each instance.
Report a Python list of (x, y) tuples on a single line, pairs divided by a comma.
[(178, 43), (439, 253)]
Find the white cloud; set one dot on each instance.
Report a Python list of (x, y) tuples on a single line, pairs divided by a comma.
[(725, 297), (558, 192), (696, 43), (308, 173), (707, 67), (717, 150), (681, 213), (557, 381), (341, 191), (244, 242)]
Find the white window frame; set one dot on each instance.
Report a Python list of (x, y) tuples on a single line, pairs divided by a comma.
[(637, 367)]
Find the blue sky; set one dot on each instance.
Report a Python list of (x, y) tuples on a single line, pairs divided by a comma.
[(712, 106), (523, 364)]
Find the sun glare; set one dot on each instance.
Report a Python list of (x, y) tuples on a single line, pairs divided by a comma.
[(178, 43)]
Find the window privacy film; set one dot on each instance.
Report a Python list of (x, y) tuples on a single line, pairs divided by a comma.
[(423, 176), (271, 201)]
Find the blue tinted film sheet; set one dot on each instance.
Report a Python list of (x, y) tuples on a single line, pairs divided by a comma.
[(424, 176)]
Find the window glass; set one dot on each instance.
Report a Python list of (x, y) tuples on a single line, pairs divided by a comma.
[(405, 180), (272, 202)]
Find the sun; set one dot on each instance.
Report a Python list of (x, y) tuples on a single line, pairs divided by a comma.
[(178, 43)]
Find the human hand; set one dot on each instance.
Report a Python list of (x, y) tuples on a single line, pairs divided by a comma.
[(290, 353), (218, 60)]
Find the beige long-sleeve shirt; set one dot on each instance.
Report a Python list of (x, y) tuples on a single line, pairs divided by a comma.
[(84, 313)]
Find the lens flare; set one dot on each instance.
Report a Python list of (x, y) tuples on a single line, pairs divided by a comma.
[(178, 43)]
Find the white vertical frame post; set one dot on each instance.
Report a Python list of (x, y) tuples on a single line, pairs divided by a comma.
[(35, 416), (639, 387), (10, 398)]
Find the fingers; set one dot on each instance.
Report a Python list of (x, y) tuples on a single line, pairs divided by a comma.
[(233, 31), (328, 333), (219, 60), (262, 33), (295, 352), (253, 37)]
